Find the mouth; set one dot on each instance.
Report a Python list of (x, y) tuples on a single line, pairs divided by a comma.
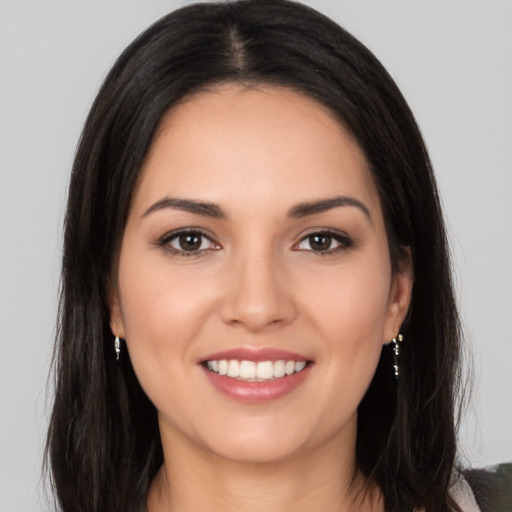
[(256, 375), (252, 371)]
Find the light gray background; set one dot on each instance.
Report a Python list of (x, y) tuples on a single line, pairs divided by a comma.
[(453, 61)]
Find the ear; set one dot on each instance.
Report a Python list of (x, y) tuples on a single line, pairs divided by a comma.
[(399, 298), (116, 316)]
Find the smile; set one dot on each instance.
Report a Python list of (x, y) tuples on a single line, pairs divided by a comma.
[(251, 371)]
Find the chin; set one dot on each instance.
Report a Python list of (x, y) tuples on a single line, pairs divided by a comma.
[(253, 442), (257, 452), (271, 441)]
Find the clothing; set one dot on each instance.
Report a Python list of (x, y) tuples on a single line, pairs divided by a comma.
[(492, 487), (484, 490), (463, 495)]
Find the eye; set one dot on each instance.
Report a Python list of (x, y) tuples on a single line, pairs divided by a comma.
[(187, 242), (324, 242)]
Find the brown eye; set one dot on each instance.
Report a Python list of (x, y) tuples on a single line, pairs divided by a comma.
[(325, 242), (320, 242), (190, 241), (187, 242)]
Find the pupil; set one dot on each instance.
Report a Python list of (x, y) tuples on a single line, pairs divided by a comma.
[(320, 242), (190, 242)]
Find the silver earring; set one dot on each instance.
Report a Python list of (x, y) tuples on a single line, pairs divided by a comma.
[(117, 346), (396, 352)]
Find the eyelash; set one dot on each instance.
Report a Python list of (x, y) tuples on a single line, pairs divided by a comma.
[(165, 242), (344, 241)]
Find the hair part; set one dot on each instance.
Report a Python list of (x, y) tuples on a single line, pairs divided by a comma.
[(103, 442)]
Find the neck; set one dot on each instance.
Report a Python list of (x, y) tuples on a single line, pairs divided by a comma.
[(193, 479)]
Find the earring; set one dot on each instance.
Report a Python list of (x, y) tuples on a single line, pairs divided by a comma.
[(117, 347), (396, 353)]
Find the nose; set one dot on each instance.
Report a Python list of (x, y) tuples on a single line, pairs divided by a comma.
[(258, 296)]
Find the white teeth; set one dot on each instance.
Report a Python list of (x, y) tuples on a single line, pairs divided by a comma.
[(300, 366), (257, 372), (265, 370), (247, 370), (223, 367), (279, 369), (233, 368)]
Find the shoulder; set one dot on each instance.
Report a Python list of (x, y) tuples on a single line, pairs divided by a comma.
[(490, 487)]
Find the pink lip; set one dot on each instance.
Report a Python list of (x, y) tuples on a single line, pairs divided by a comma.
[(256, 392), (255, 354)]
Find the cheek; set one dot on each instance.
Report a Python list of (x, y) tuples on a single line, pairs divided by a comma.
[(348, 309), (158, 297), (163, 313), (353, 298)]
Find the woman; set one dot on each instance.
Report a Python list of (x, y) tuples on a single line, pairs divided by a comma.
[(257, 307)]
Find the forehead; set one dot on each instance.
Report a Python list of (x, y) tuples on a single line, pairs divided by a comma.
[(259, 144)]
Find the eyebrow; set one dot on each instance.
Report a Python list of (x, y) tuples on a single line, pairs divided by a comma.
[(300, 210), (313, 207), (189, 205)]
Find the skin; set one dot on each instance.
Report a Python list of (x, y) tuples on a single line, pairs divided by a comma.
[(257, 282)]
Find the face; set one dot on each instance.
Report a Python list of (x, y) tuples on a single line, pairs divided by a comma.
[(254, 285)]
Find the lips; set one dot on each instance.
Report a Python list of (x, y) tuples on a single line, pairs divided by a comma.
[(256, 375)]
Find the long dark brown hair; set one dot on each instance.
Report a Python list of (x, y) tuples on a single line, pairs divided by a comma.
[(103, 443)]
